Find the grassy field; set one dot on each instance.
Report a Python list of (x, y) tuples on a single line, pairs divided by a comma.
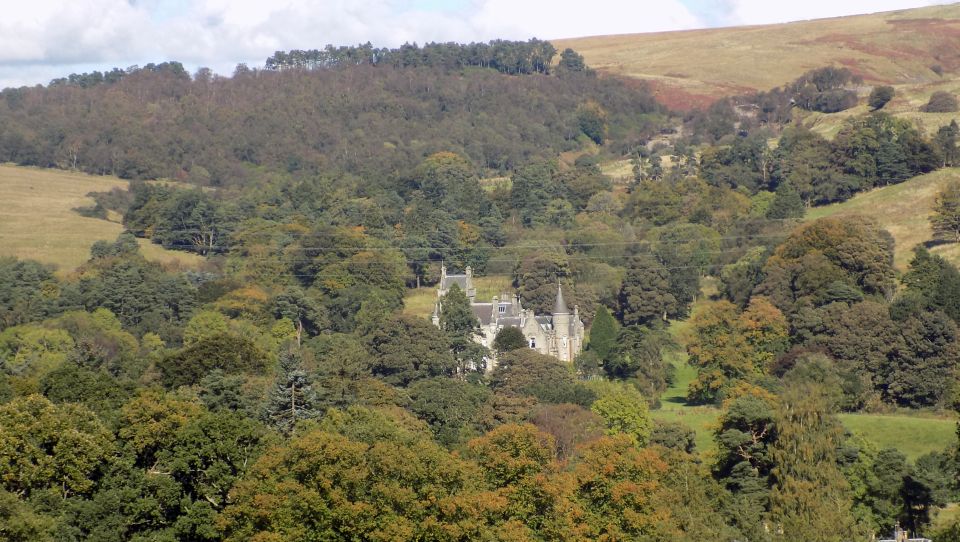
[(37, 220), (691, 68), (903, 210)]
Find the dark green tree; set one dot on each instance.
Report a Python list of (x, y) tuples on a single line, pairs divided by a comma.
[(406, 349), (457, 317), (786, 203), (638, 356), (946, 141), (293, 398), (509, 338), (603, 334), (880, 96), (946, 213), (448, 405), (229, 353), (645, 295)]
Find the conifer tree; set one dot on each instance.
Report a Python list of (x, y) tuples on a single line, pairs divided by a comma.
[(786, 202), (811, 499), (292, 398), (603, 334)]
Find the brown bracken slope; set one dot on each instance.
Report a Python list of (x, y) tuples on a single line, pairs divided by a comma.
[(691, 68)]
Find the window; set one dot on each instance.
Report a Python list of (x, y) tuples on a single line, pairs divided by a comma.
[(503, 309), (533, 342)]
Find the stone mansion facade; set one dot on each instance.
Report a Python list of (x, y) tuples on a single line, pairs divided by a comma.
[(559, 334)]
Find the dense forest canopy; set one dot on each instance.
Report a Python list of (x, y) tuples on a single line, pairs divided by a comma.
[(363, 118), (281, 391)]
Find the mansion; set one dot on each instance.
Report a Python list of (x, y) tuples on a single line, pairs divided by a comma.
[(559, 334)]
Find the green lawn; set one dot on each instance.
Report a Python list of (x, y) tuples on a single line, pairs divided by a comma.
[(911, 434)]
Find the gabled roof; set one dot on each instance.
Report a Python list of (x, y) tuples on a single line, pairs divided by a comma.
[(483, 312), (450, 280)]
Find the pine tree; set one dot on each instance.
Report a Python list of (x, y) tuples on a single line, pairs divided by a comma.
[(292, 398), (786, 202), (457, 317), (811, 499), (603, 334)]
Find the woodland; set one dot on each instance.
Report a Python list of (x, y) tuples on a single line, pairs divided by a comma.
[(280, 391)]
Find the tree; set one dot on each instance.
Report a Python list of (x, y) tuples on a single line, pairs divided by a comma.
[(571, 426), (934, 282), (292, 398), (28, 292), (786, 203), (343, 365), (946, 212), (603, 334), (203, 325), (946, 140), (448, 405), (211, 452), (879, 97), (746, 430), (592, 120), (810, 494), (623, 409), (457, 317), (730, 346), (571, 61), (228, 353), (645, 295), (406, 349), (940, 101), (47, 446), (638, 357), (528, 372), (509, 338)]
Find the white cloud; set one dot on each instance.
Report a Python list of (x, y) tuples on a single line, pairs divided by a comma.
[(551, 19)]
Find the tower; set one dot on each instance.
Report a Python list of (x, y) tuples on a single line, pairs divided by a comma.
[(561, 326)]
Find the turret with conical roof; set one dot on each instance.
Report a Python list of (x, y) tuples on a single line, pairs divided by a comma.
[(561, 324), (560, 307)]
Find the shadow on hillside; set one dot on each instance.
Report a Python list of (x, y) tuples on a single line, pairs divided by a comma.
[(936, 243)]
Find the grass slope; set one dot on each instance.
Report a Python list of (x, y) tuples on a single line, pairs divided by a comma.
[(691, 68), (37, 220), (903, 210)]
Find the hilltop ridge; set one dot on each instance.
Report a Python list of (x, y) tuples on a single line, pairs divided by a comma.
[(694, 67)]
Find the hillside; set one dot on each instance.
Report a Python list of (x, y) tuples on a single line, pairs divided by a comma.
[(690, 68), (37, 220), (903, 210)]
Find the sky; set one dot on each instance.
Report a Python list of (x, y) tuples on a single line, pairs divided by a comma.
[(44, 39)]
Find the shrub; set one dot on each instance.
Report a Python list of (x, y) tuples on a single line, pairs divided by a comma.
[(880, 97), (941, 102)]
